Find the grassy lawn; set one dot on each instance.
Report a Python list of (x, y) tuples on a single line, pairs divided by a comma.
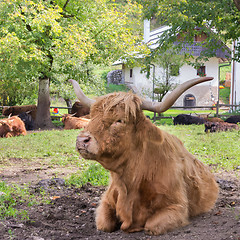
[(57, 147)]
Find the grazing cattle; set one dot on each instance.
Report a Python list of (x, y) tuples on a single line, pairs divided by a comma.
[(73, 122), (156, 184), (28, 120), (233, 119), (220, 126), (184, 119), (79, 110), (16, 110), (5, 128), (17, 126)]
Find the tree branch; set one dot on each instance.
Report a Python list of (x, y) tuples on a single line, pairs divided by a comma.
[(65, 5), (237, 4)]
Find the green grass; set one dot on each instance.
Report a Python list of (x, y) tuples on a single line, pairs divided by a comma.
[(116, 88), (221, 149), (224, 95), (11, 196), (94, 174), (52, 147)]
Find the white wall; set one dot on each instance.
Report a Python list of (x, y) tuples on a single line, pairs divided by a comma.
[(187, 72)]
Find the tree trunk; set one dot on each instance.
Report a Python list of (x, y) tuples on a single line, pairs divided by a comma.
[(237, 4), (69, 104), (43, 118)]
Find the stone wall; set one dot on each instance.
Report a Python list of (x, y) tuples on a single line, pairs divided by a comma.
[(115, 77)]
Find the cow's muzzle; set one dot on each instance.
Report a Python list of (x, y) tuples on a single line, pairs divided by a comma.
[(87, 145)]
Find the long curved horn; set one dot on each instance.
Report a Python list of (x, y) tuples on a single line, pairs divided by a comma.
[(170, 99), (80, 95)]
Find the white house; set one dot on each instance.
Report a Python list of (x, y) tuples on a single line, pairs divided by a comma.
[(204, 94)]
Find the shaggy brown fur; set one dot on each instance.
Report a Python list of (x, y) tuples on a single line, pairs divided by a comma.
[(73, 122), (214, 119), (156, 184), (17, 126), (16, 110)]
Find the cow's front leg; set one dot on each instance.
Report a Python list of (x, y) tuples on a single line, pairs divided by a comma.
[(106, 219), (167, 219)]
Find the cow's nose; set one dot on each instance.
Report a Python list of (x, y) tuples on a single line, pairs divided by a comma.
[(83, 141), (86, 139)]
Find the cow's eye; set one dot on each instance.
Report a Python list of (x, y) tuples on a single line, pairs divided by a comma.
[(120, 121)]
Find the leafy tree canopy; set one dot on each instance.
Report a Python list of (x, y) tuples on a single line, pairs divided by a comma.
[(220, 19), (58, 40)]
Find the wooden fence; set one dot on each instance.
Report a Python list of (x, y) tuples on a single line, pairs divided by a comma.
[(215, 108)]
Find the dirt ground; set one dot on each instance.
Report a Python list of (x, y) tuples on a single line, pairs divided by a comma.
[(71, 212)]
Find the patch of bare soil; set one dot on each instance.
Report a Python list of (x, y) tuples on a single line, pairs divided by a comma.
[(71, 214)]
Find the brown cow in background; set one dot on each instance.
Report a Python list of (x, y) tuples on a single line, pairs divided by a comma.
[(156, 184), (5, 128), (16, 110), (16, 127), (79, 110), (71, 122), (220, 126)]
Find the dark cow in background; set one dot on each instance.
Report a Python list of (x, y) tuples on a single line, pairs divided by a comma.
[(233, 119), (156, 184), (220, 126), (28, 120), (79, 110), (185, 119), (16, 110)]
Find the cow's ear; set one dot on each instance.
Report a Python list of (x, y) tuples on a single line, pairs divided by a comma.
[(154, 134), (149, 131)]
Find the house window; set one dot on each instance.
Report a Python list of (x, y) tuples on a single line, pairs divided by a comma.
[(201, 71), (131, 73), (174, 70), (189, 101)]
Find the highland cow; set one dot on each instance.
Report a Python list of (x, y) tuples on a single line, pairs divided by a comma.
[(156, 184), (16, 126), (71, 122), (5, 128), (79, 110), (185, 119), (220, 126), (233, 119), (16, 110)]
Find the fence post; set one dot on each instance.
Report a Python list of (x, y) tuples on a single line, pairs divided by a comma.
[(217, 109)]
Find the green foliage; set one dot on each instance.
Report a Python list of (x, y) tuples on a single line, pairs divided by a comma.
[(60, 40), (185, 16), (94, 174), (224, 68)]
